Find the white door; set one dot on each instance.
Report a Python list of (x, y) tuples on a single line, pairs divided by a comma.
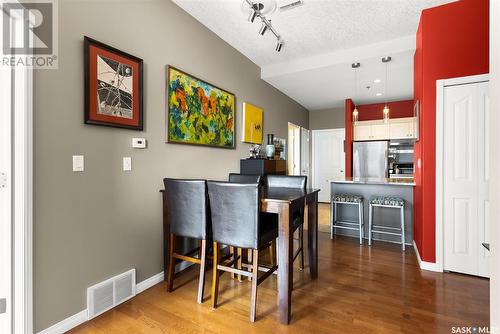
[(293, 149), (328, 159), (305, 153), (466, 177), (5, 202)]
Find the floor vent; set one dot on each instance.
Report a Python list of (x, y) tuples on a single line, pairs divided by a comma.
[(106, 295)]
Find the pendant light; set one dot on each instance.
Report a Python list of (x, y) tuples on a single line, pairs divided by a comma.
[(355, 112), (386, 111)]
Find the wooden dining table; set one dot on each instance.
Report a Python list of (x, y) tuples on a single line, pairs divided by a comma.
[(283, 202)]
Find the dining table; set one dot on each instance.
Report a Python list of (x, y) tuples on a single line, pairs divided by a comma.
[(283, 202)]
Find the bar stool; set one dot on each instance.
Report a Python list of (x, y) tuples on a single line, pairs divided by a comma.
[(387, 202), (347, 200)]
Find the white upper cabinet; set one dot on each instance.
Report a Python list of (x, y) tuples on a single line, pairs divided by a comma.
[(396, 128), (402, 128), (362, 132)]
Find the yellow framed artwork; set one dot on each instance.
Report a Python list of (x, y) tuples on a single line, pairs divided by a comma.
[(252, 124)]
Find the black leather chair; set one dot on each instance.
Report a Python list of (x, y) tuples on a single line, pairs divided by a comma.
[(292, 182), (237, 222), (247, 178), (189, 216), (244, 178)]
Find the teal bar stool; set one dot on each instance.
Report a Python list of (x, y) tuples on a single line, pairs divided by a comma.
[(342, 199), (392, 203)]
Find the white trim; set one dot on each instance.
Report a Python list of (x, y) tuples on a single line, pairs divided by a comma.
[(149, 282), (426, 265), (440, 86), (23, 200), (67, 324), (82, 316)]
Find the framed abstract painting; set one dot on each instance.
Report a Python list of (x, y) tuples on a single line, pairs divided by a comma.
[(199, 113), (252, 124), (113, 86)]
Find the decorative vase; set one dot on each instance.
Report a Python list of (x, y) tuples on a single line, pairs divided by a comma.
[(270, 151), (270, 139)]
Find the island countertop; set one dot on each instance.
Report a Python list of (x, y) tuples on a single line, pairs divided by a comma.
[(379, 181)]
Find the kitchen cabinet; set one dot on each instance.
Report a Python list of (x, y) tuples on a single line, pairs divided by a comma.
[(402, 128), (362, 132), (396, 128)]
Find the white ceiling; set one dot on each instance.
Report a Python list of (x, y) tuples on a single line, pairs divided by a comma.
[(322, 38)]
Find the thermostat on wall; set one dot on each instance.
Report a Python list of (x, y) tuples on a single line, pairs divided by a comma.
[(139, 142)]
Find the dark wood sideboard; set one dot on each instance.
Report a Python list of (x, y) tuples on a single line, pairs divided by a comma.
[(262, 166)]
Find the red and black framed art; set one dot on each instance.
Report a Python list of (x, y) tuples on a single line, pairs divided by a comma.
[(113, 86)]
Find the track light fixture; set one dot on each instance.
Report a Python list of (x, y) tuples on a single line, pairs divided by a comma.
[(279, 45), (263, 29), (255, 11), (253, 15)]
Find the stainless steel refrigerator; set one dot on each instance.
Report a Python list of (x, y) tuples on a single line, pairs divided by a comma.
[(369, 159)]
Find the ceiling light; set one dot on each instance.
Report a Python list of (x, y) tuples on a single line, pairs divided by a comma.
[(256, 10), (377, 81), (279, 45), (386, 109), (252, 16), (263, 29), (379, 94), (355, 112)]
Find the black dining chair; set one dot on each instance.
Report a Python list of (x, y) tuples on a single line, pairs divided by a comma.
[(237, 222), (244, 178), (189, 216), (238, 253), (292, 182)]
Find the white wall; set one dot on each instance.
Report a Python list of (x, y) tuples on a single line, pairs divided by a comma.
[(495, 164)]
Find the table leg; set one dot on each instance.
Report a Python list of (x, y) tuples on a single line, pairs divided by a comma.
[(312, 233), (285, 263), (166, 239)]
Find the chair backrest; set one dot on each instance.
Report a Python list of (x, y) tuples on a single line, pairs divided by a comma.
[(244, 178), (187, 207), (286, 181), (234, 209)]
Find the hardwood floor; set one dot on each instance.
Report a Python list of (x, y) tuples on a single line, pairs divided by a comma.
[(360, 289)]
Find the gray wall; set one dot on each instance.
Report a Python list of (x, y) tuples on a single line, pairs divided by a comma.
[(333, 118), (92, 225)]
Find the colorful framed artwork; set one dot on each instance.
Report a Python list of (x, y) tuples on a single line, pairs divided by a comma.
[(252, 124), (199, 113), (113, 86)]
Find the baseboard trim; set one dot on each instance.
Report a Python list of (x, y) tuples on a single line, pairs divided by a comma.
[(430, 266), (149, 282), (82, 316), (67, 324)]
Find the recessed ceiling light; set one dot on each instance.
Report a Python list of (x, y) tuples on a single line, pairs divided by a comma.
[(379, 94), (377, 81)]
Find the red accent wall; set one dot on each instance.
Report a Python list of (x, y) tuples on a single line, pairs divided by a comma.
[(452, 41), (349, 107), (398, 109)]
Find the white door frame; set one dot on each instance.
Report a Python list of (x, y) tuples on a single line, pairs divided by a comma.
[(21, 179), (440, 87), (313, 164), (295, 150)]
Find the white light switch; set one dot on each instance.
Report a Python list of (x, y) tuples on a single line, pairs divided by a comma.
[(127, 163), (78, 163)]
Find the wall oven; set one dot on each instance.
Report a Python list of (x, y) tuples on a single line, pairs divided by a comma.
[(400, 159)]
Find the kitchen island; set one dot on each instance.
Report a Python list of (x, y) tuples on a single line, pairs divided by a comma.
[(368, 188)]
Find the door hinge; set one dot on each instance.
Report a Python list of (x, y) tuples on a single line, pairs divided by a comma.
[(3, 305), (3, 180)]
